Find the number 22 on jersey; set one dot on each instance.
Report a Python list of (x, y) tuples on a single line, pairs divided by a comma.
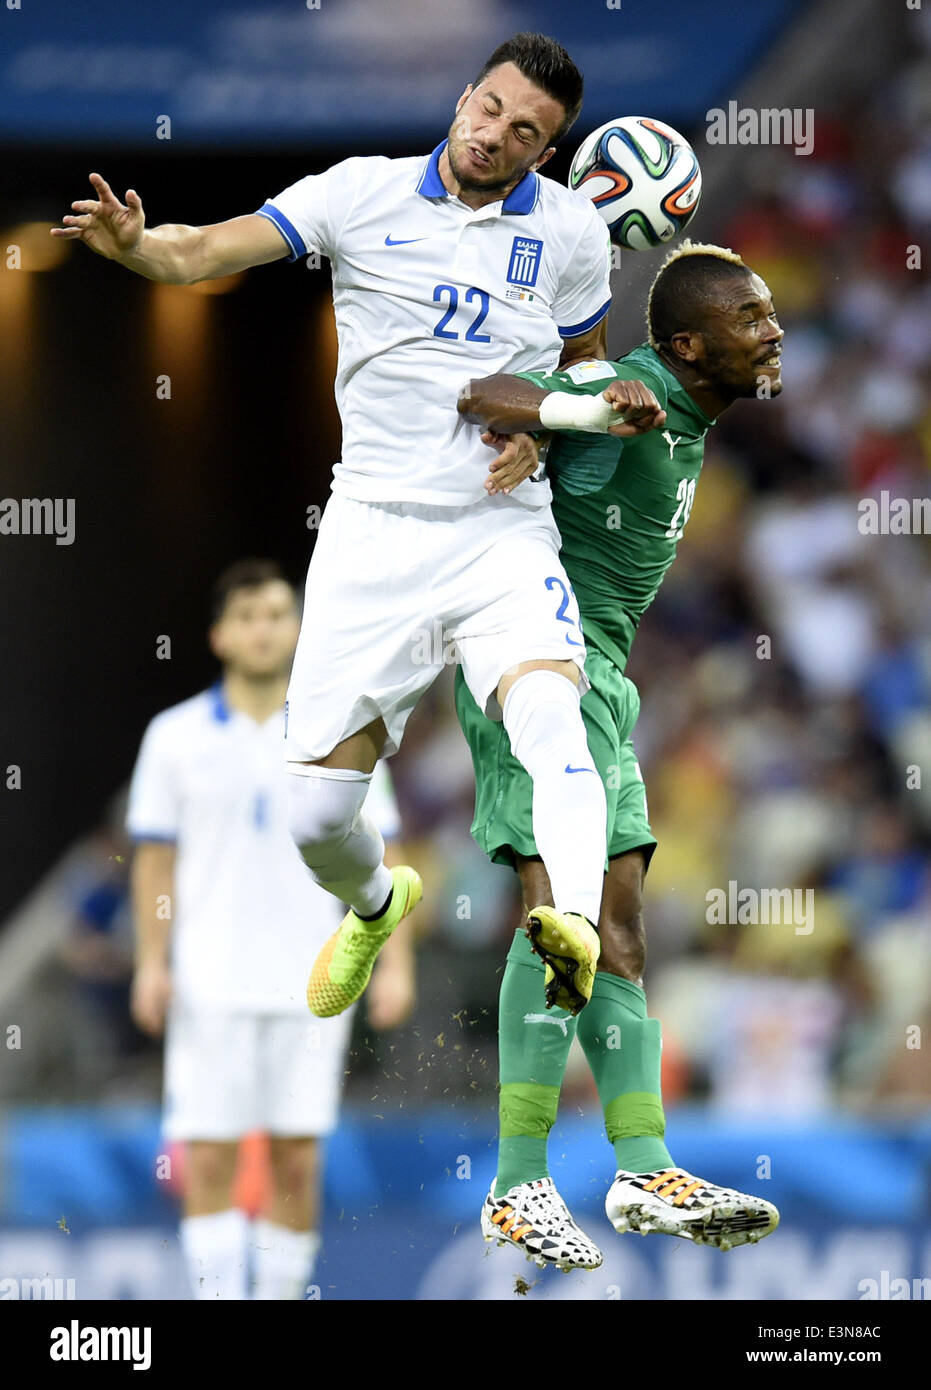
[(471, 296)]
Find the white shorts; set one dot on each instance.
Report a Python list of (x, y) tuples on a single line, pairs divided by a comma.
[(395, 591), (229, 1073)]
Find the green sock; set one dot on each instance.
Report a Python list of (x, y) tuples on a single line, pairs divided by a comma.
[(624, 1048), (533, 1048)]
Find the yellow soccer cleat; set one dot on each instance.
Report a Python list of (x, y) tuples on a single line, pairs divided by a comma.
[(569, 946), (344, 966)]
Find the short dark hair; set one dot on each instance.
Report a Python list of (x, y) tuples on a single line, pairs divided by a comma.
[(244, 574), (546, 63), (683, 290)]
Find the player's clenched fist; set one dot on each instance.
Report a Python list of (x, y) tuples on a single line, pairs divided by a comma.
[(150, 994), (637, 406), (109, 227)]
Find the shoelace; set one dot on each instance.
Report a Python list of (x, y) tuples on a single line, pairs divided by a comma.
[(352, 939), (710, 1194), (356, 940), (547, 1205)]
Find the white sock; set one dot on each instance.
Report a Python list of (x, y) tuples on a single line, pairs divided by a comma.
[(341, 845), (215, 1248), (282, 1260), (544, 723)]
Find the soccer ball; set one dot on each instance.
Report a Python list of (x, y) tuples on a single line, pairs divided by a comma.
[(643, 178)]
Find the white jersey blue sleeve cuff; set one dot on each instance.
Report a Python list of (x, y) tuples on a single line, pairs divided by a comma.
[(584, 294), (310, 214), (292, 236), (576, 329)]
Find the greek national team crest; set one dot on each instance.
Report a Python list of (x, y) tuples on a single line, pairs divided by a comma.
[(525, 260)]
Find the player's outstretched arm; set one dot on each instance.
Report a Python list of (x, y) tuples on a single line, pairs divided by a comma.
[(509, 404), (172, 254)]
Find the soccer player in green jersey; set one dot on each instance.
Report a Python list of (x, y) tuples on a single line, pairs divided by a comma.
[(621, 506)]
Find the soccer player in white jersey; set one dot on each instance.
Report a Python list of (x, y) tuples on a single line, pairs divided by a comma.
[(227, 920), (444, 266)]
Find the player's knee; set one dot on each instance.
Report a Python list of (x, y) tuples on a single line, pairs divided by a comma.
[(293, 1163), (211, 1166), (543, 719), (323, 808), (567, 669)]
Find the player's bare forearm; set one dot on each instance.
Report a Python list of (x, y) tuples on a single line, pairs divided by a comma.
[(172, 254), (152, 882), (179, 255), (504, 404), (509, 405)]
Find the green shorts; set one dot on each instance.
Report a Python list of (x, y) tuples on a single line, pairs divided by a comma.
[(503, 790)]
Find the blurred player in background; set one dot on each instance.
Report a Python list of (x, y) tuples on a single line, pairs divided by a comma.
[(463, 258), (621, 507), (227, 919)]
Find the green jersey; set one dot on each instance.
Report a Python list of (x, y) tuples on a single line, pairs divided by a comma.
[(621, 505)]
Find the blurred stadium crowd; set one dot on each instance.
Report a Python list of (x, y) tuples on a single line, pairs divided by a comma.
[(801, 761)]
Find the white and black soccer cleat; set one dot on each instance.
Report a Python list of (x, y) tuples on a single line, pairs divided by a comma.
[(675, 1203), (533, 1217)]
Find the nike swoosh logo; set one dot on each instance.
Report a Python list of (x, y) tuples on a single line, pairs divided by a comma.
[(579, 769), (404, 241)]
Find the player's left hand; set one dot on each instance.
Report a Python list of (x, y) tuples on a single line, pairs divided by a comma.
[(392, 993), (518, 457)]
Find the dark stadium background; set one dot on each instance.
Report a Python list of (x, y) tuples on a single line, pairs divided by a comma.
[(168, 492)]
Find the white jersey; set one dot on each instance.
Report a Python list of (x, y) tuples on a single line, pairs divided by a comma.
[(247, 918), (429, 293)]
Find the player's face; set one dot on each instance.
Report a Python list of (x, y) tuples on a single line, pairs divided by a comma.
[(743, 340), (503, 127), (257, 633)]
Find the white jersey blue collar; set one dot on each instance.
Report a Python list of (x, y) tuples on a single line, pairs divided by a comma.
[(521, 200)]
